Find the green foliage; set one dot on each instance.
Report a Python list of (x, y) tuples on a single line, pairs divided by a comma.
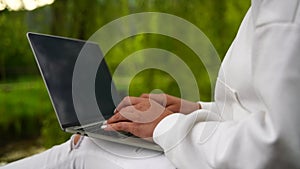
[(148, 80), (51, 133), (26, 111), (24, 103)]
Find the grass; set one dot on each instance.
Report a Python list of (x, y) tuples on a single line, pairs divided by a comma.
[(26, 112), (22, 101)]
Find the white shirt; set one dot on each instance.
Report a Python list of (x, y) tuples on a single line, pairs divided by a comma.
[(254, 121)]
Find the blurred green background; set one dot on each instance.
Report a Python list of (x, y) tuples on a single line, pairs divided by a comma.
[(26, 115)]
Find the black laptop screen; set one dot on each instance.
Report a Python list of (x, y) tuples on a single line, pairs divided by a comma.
[(56, 58)]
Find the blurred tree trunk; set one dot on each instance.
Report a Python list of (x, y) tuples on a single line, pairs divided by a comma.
[(2, 68), (220, 24), (74, 18), (84, 15), (59, 19)]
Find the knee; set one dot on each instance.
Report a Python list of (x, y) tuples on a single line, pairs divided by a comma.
[(76, 139)]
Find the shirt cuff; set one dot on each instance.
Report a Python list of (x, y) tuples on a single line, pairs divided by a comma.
[(211, 106)]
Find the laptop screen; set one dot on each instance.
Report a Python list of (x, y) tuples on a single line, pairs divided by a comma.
[(56, 58)]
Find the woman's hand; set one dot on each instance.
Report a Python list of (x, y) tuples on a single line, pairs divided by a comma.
[(174, 104), (138, 116)]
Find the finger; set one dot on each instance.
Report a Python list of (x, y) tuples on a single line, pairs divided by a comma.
[(144, 95), (116, 111), (131, 113), (127, 101), (122, 126), (116, 118), (159, 98), (155, 97), (139, 114)]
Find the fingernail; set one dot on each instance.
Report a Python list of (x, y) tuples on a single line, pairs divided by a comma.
[(115, 110), (105, 122), (103, 126)]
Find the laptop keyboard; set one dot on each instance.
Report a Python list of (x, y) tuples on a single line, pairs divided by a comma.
[(96, 129)]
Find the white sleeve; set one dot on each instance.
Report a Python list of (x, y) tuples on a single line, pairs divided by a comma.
[(210, 106), (266, 139)]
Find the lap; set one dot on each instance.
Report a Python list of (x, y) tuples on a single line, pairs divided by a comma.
[(123, 155), (91, 153)]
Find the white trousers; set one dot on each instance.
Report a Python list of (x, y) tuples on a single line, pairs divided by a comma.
[(90, 153)]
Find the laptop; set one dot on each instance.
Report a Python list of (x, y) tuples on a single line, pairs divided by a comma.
[(83, 96)]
